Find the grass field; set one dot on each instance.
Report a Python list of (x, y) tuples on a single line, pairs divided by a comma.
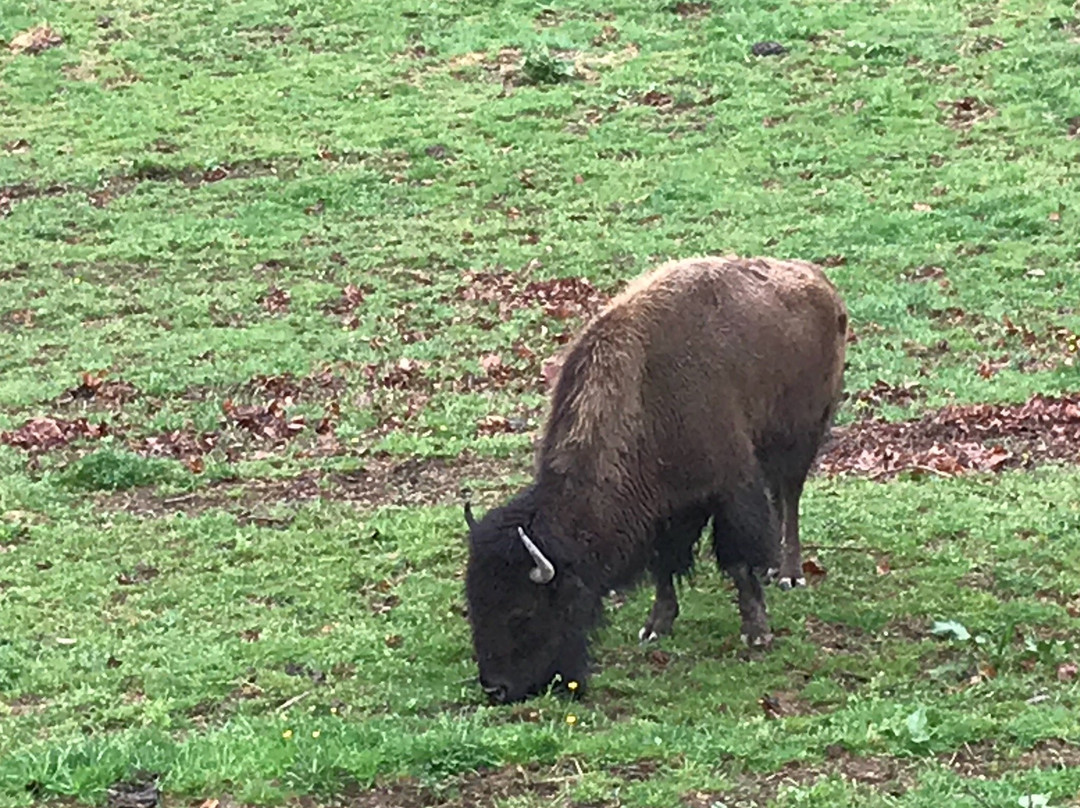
[(277, 279)]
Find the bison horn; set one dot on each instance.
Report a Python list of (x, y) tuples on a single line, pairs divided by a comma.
[(470, 520), (544, 570)]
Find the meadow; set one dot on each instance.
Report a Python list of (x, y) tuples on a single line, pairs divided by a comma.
[(279, 279)]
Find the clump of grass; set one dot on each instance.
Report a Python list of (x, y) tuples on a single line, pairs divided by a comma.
[(117, 470), (541, 67)]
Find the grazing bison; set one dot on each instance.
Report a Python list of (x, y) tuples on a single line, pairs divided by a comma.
[(703, 391)]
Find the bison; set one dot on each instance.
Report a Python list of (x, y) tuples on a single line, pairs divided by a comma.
[(703, 391)]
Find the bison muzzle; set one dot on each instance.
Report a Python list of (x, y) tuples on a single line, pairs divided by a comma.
[(702, 392)]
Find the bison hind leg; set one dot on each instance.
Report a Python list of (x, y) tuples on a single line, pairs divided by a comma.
[(673, 556), (787, 470)]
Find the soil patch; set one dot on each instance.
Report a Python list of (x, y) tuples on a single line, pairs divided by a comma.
[(417, 481), (982, 760), (691, 10), (958, 439), (380, 482), (884, 774), (963, 113), (481, 788), (835, 638), (10, 194)]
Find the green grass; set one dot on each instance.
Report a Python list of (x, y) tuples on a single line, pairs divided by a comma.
[(182, 162)]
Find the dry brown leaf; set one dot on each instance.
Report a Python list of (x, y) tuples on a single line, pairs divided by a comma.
[(35, 40), (813, 570), (493, 425)]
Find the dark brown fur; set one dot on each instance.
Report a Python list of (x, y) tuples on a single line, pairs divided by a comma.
[(702, 391)]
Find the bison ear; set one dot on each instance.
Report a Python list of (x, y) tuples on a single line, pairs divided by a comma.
[(544, 571)]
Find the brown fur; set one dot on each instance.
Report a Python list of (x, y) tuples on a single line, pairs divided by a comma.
[(762, 346), (701, 392)]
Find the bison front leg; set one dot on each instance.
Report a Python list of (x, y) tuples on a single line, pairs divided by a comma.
[(664, 610), (747, 539), (752, 611), (673, 556)]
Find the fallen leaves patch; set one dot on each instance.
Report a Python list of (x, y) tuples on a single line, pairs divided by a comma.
[(560, 298), (959, 439), (44, 433), (269, 421), (178, 445), (319, 384), (345, 306), (405, 374), (881, 392), (98, 388)]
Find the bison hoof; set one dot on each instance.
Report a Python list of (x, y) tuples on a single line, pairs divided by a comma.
[(647, 635), (791, 583), (758, 640)]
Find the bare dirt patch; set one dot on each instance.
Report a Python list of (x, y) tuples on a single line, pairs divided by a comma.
[(11, 194), (240, 496), (636, 772), (691, 10), (959, 439), (667, 103), (503, 66), (418, 481), (27, 704), (964, 113), (379, 482), (834, 637), (481, 788), (883, 774), (982, 759)]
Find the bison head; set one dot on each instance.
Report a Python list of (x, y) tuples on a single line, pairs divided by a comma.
[(530, 613)]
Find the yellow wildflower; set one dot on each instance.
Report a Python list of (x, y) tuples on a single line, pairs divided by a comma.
[(287, 734)]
